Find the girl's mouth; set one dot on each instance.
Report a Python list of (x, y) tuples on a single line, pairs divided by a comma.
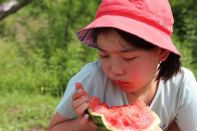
[(125, 86), (122, 83)]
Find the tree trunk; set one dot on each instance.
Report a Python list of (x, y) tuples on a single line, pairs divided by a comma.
[(11, 6)]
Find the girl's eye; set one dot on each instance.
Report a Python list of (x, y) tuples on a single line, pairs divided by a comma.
[(129, 59), (103, 55)]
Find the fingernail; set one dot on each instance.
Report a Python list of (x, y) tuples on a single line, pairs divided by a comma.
[(77, 84), (85, 116), (79, 90)]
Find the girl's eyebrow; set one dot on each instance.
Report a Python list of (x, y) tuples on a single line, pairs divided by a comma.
[(122, 50)]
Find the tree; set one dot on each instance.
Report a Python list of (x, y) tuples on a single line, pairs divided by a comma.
[(185, 13), (11, 6)]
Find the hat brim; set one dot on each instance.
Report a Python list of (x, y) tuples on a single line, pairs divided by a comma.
[(140, 29)]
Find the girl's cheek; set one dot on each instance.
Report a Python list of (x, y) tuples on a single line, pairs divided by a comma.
[(106, 67), (105, 62)]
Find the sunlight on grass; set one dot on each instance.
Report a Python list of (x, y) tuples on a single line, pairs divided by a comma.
[(23, 112)]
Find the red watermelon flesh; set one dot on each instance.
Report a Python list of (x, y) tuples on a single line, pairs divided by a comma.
[(135, 117)]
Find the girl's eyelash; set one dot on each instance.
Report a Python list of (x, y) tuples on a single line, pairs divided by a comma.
[(128, 59), (103, 56)]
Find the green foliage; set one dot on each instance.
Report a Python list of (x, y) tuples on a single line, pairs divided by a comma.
[(2, 1), (45, 52), (28, 112), (185, 13)]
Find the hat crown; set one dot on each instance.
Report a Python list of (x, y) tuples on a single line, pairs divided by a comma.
[(156, 13)]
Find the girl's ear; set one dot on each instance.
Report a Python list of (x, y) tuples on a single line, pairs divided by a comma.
[(164, 55)]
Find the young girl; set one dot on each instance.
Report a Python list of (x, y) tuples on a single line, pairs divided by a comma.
[(137, 61)]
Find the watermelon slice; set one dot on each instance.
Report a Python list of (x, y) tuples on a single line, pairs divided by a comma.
[(136, 117)]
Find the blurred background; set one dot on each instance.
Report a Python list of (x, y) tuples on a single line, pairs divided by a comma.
[(39, 53)]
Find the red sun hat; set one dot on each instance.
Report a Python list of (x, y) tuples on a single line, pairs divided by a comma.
[(151, 20)]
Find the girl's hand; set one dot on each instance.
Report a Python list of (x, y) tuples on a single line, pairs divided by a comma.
[(158, 129), (80, 104)]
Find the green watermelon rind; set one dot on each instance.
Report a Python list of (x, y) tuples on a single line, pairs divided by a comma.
[(103, 125), (99, 120)]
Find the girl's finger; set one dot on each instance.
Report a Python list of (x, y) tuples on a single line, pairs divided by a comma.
[(79, 91), (77, 94), (79, 87), (158, 129), (81, 109), (85, 119), (76, 103)]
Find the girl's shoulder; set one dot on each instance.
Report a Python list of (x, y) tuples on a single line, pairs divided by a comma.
[(180, 84), (90, 75), (171, 95), (186, 80), (186, 72), (182, 76), (91, 67), (88, 70)]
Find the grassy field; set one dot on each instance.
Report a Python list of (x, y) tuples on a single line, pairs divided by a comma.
[(22, 112)]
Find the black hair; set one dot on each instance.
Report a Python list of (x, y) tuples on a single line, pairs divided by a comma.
[(171, 66)]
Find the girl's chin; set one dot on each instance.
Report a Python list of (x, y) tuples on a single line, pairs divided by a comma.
[(126, 86), (127, 89)]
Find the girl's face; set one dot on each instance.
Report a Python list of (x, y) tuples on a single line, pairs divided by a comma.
[(130, 68)]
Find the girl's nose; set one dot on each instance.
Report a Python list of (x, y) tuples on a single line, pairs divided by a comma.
[(117, 68)]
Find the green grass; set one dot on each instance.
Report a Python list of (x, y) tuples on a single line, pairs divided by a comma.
[(23, 112)]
